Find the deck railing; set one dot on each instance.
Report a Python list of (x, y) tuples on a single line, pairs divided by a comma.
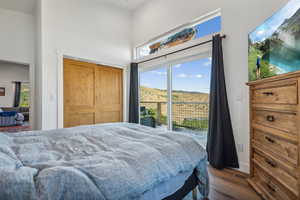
[(190, 115)]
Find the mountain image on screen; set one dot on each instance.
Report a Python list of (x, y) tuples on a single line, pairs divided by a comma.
[(274, 46)]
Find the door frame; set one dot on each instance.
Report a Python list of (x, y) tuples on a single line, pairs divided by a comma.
[(31, 66), (60, 84), (169, 64)]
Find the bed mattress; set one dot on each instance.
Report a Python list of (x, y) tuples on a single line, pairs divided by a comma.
[(117, 161)]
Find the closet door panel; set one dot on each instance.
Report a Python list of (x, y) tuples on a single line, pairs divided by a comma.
[(92, 94), (79, 92), (109, 95)]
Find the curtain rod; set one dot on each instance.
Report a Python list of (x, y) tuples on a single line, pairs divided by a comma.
[(190, 47)]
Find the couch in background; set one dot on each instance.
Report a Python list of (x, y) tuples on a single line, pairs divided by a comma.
[(23, 110), (11, 119), (10, 116)]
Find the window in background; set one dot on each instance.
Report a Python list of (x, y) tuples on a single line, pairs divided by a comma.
[(186, 97), (25, 95), (154, 98), (190, 97), (194, 31)]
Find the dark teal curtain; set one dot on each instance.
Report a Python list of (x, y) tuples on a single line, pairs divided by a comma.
[(220, 143), (17, 97), (134, 94)]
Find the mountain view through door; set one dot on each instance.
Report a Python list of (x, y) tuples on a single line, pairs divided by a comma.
[(189, 100)]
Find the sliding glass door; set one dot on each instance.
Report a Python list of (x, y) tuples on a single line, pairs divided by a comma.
[(154, 98), (176, 97), (190, 97)]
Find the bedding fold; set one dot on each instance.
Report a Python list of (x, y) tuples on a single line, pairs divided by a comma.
[(118, 161)]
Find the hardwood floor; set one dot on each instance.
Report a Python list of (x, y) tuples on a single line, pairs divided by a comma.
[(230, 185)]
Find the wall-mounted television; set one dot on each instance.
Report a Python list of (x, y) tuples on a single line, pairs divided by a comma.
[(274, 46)]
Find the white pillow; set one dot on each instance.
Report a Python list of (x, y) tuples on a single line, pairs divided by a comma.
[(1, 110)]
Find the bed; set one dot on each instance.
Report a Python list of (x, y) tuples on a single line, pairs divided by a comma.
[(118, 161)]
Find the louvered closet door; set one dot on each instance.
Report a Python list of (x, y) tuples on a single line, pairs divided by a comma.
[(92, 94)]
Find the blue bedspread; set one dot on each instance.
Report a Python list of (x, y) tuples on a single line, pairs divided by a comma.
[(118, 161), (8, 114)]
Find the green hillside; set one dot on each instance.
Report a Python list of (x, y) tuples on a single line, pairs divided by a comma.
[(157, 95)]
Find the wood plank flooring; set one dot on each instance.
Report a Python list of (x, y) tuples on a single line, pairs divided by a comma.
[(230, 185)]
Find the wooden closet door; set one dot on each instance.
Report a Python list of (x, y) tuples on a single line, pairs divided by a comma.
[(79, 92), (92, 94), (109, 94)]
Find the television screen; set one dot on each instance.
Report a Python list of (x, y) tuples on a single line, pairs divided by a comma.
[(274, 46)]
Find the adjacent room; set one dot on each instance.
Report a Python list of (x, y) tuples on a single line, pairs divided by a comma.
[(149, 100), (14, 97)]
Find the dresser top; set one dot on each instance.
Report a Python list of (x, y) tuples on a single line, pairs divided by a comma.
[(275, 78)]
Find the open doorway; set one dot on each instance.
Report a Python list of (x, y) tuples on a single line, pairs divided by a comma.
[(15, 97)]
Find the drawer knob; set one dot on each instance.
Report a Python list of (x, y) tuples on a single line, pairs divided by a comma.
[(268, 93), (270, 140), (270, 118), (271, 187), (271, 163)]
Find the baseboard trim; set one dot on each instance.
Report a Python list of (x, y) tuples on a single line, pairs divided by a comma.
[(244, 167)]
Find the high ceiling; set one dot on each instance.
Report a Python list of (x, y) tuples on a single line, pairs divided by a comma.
[(25, 6), (128, 4)]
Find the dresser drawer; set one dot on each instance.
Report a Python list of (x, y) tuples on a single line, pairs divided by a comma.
[(280, 92), (274, 168), (270, 187), (275, 128), (279, 147), (284, 121)]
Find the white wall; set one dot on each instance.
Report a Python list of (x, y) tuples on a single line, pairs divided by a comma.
[(16, 36), (238, 19), (91, 30), (17, 44), (38, 65), (10, 72)]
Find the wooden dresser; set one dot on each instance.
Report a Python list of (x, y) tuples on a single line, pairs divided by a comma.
[(275, 133)]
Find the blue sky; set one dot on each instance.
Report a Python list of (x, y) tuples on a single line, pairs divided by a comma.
[(208, 27), (191, 76), (270, 25)]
